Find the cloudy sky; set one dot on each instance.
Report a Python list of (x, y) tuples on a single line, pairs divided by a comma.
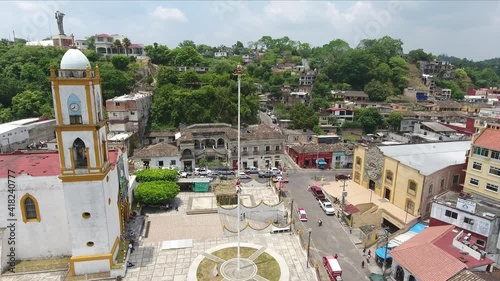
[(468, 29)]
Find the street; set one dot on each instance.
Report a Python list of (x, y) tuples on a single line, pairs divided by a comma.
[(331, 238)]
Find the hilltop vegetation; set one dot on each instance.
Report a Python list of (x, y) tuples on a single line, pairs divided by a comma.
[(377, 66)]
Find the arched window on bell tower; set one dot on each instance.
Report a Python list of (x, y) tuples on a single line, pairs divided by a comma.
[(79, 154)]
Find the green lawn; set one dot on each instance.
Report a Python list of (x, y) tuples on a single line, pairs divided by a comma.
[(267, 266)]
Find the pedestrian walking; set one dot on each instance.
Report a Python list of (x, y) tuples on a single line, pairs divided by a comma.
[(364, 251), (350, 230), (131, 247), (369, 252), (336, 256), (363, 264), (177, 207)]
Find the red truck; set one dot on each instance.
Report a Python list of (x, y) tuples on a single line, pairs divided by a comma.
[(317, 192), (333, 268)]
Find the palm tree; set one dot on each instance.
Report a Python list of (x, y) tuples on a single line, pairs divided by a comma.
[(118, 45), (126, 43)]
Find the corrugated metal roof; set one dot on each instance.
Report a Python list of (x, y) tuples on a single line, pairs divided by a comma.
[(428, 158)]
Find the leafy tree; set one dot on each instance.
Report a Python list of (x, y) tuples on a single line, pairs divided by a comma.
[(419, 55), (159, 54), (303, 117), (115, 82), (166, 75), (149, 175), (369, 118), (90, 41), (118, 46), (126, 43), (120, 62), (189, 77), (6, 115), (27, 104), (377, 91), (186, 55), (382, 73), (156, 192), (187, 43), (394, 120)]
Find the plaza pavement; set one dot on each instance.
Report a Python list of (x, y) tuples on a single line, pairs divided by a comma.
[(153, 263)]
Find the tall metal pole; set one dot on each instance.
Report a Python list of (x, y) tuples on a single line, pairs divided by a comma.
[(308, 246), (238, 72), (385, 255), (291, 217), (343, 201)]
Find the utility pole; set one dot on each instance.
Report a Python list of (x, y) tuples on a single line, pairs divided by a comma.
[(308, 246), (291, 217), (343, 200), (384, 264)]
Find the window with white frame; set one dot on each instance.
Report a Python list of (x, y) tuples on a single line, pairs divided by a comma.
[(474, 181), (477, 166), (494, 171), (480, 151), (492, 187), (495, 154)]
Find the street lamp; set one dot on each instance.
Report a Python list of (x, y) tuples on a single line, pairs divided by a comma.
[(308, 246), (238, 73)]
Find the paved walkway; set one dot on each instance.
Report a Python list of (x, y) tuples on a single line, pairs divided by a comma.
[(152, 263)]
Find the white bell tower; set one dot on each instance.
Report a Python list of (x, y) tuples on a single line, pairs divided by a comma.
[(90, 189)]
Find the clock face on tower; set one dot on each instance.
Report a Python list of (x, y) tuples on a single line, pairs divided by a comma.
[(74, 107)]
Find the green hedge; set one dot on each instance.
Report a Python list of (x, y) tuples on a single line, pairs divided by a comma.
[(156, 192), (148, 175)]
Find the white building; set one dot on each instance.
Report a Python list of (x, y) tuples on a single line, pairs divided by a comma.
[(129, 113), (20, 134), (220, 54), (160, 155), (73, 202), (104, 44)]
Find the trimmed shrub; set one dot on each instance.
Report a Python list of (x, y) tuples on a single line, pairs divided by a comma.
[(147, 175), (156, 192)]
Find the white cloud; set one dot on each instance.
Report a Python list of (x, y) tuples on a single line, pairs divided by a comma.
[(165, 13), (291, 11)]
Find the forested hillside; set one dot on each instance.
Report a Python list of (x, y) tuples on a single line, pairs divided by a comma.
[(377, 66)]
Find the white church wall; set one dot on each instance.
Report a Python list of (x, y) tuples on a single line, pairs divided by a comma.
[(112, 210), (91, 199), (92, 266), (49, 237)]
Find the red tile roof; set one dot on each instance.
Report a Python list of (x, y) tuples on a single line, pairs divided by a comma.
[(426, 261), (445, 243), (489, 139), (36, 164)]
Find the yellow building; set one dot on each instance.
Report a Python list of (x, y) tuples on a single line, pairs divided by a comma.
[(409, 175), (483, 170)]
